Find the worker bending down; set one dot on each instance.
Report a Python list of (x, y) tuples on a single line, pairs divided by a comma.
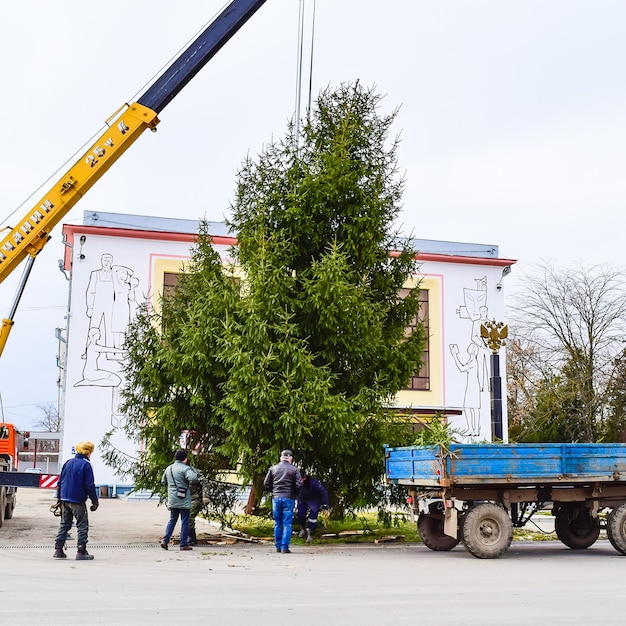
[(313, 497)]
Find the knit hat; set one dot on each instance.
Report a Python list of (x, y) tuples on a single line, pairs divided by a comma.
[(84, 447), (285, 455), (180, 455)]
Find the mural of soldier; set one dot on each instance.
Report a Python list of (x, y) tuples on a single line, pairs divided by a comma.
[(100, 296), (110, 291), (109, 298)]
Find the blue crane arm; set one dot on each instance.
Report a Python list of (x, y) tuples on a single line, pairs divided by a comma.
[(198, 54)]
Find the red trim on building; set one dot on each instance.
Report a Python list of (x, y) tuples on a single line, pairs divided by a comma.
[(71, 229), (467, 260)]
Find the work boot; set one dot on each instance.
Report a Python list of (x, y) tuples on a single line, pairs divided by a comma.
[(302, 533), (192, 537), (83, 555), (58, 550), (310, 535)]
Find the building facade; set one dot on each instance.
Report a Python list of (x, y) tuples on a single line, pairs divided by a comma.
[(117, 261)]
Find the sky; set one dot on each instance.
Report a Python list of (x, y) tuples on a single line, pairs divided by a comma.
[(511, 116)]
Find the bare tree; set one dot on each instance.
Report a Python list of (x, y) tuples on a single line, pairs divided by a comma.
[(50, 420), (523, 381), (573, 322)]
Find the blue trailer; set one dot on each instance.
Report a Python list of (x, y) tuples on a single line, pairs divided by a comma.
[(478, 493)]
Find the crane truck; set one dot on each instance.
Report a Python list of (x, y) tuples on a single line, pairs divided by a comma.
[(26, 240)]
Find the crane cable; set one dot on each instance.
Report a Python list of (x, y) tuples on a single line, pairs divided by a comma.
[(299, 72)]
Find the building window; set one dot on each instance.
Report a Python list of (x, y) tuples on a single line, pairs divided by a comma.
[(420, 381), (170, 282)]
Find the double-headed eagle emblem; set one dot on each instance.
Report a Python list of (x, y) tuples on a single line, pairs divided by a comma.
[(494, 334)]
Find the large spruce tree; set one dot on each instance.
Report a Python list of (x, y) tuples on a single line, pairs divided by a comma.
[(324, 332), (308, 351)]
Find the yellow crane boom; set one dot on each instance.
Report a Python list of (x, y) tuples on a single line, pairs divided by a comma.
[(27, 239)]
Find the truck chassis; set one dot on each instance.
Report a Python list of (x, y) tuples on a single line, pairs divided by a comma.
[(7, 492)]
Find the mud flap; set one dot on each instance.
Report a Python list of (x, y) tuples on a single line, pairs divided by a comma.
[(451, 522)]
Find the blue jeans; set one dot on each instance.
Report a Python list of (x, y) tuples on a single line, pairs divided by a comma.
[(69, 511), (282, 509), (184, 526)]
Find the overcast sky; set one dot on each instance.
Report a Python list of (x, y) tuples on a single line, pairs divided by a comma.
[(512, 120)]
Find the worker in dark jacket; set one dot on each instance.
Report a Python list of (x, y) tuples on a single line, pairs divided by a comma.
[(76, 484), (313, 497), (283, 480)]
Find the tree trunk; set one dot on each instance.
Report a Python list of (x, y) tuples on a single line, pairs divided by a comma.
[(252, 506)]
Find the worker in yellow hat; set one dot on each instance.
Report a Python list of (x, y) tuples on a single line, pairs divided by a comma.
[(76, 484)]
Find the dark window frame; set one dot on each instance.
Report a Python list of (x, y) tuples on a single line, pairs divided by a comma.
[(420, 381)]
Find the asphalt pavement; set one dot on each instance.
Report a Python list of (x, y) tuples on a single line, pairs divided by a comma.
[(133, 581)]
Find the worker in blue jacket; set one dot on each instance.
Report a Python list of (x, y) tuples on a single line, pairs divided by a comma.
[(312, 497), (76, 484)]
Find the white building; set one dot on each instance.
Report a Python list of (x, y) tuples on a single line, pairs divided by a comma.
[(116, 261)]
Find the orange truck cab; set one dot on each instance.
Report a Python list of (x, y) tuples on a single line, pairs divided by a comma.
[(8, 445), (9, 436)]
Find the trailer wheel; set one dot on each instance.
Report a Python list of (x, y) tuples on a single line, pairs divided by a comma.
[(3, 504), (487, 531), (576, 527), (616, 528), (431, 533), (9, 508)]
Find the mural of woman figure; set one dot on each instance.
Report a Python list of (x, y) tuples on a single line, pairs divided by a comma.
[(471, 400)]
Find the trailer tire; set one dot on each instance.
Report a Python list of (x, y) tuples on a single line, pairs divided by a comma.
[(3, 504), (616, 528), (487, 531), (9, 508), (430, 528), (576, 527)]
